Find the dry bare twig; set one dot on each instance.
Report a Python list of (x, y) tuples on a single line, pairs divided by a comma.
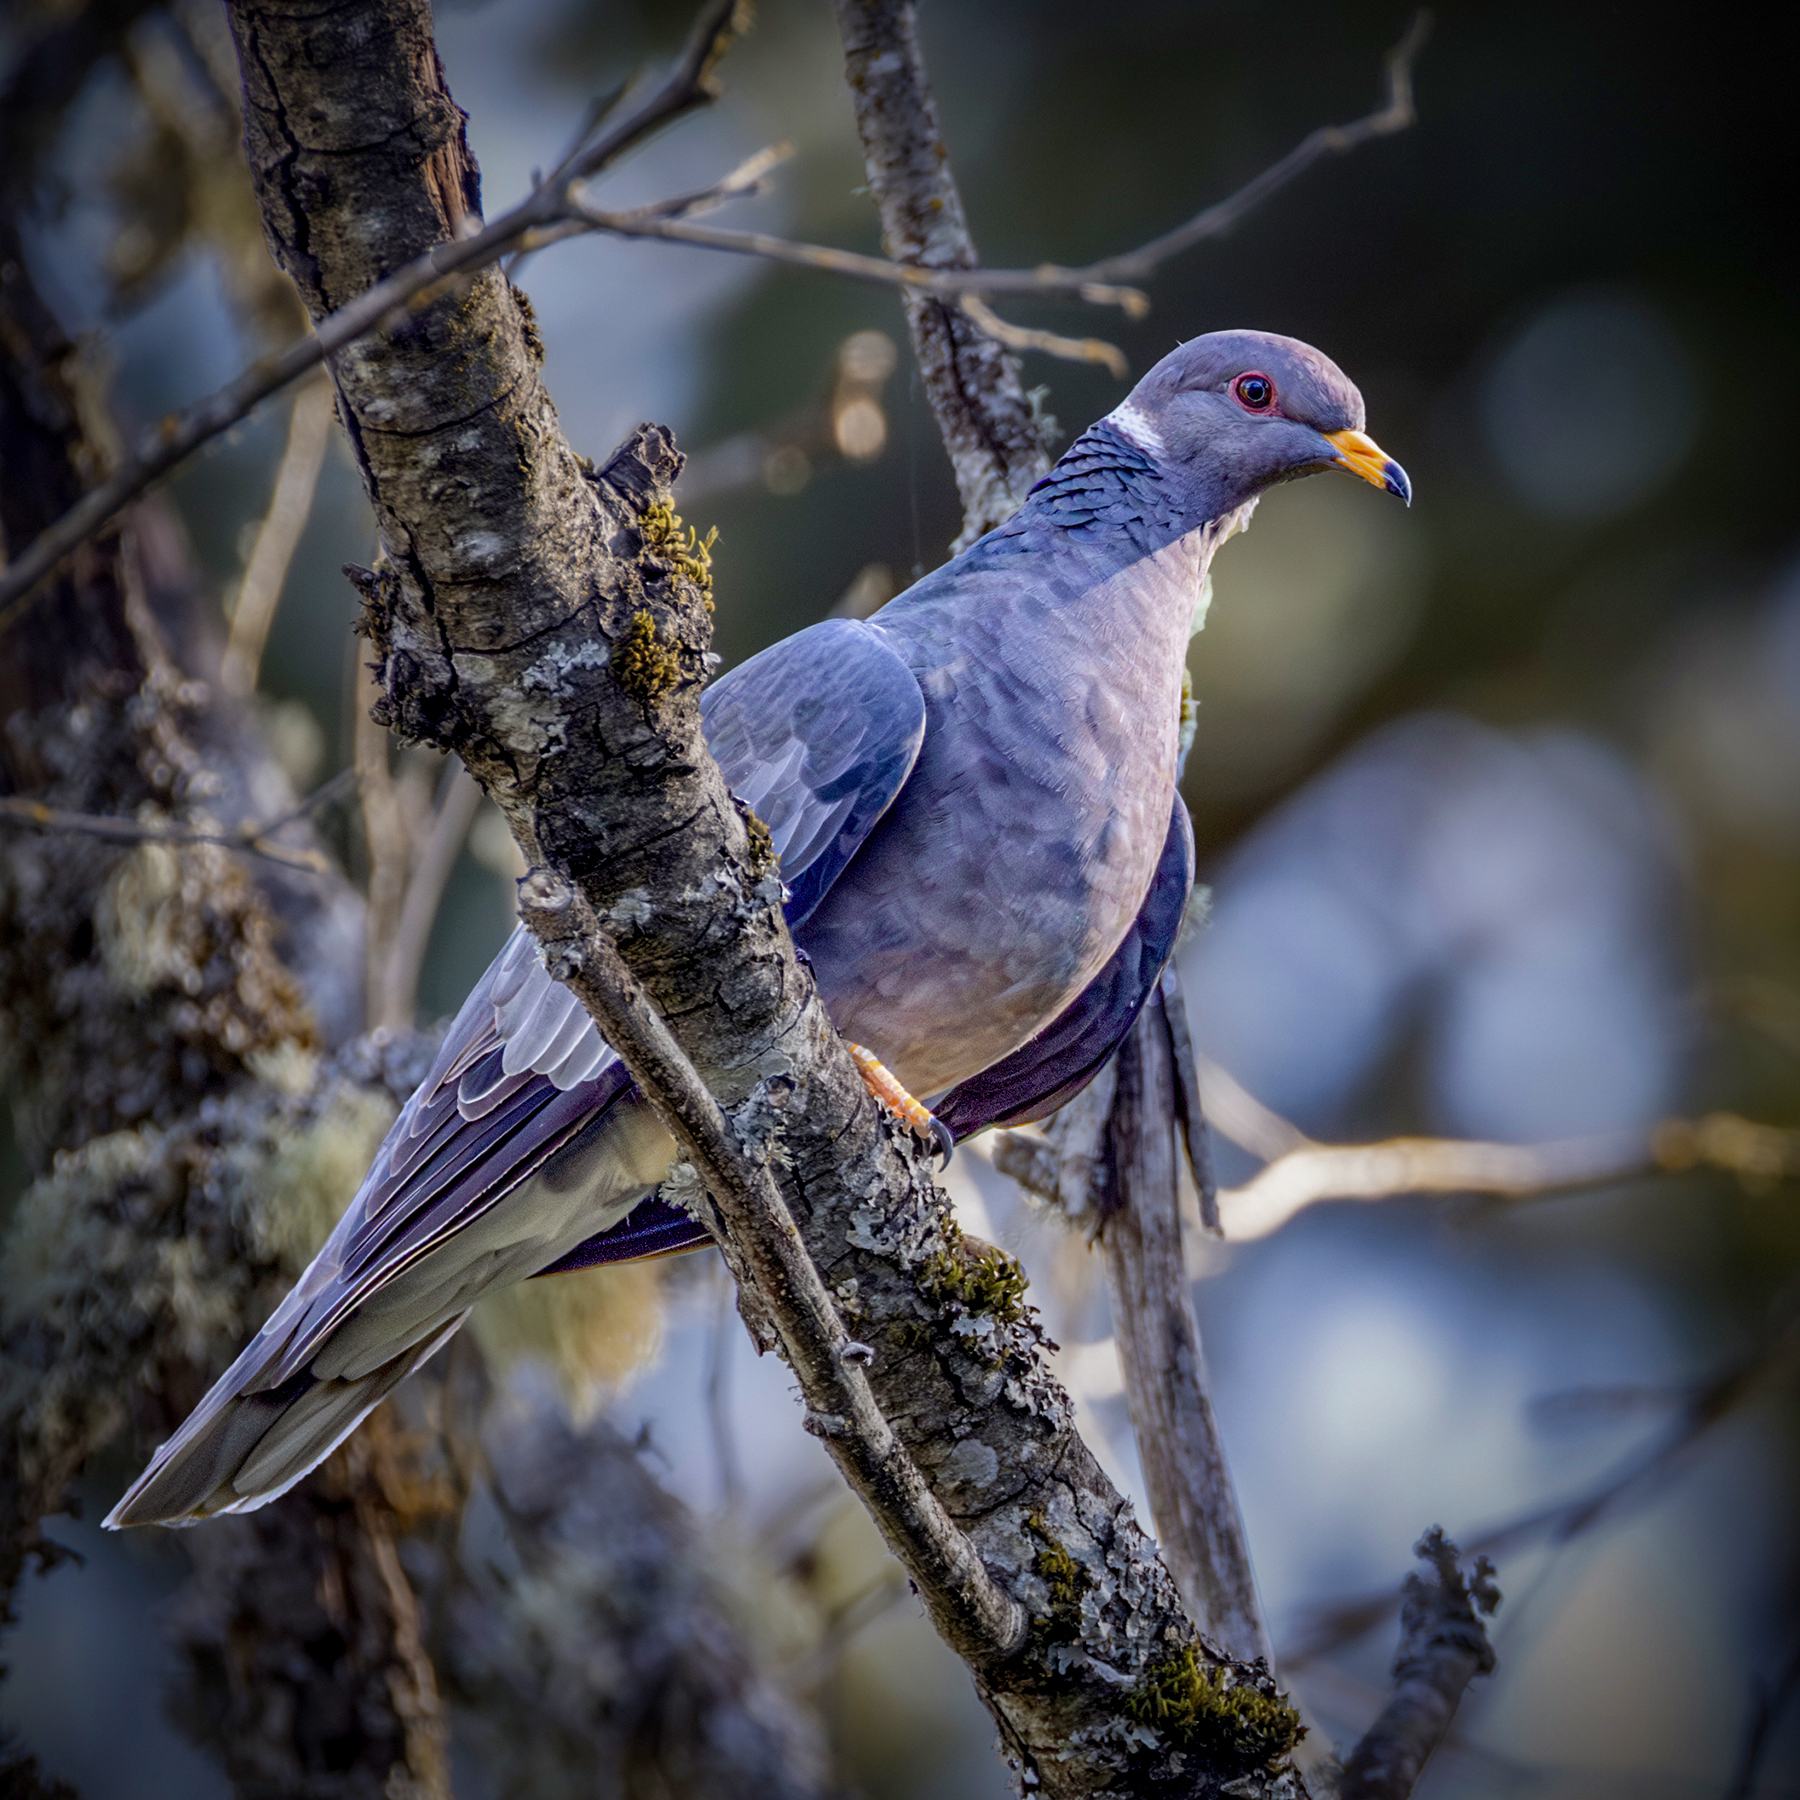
[(1161, 1358), (434, 856), (290, 506), (1443, 1647), (554, 210), (1300, 1172), (255, 839)]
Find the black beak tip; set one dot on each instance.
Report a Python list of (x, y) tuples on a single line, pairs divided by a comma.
[(1396, 481)]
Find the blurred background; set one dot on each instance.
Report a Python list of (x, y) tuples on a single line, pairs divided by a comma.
[(1498, 799)]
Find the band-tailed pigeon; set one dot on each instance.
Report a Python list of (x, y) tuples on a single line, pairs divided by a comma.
[(973, 799)]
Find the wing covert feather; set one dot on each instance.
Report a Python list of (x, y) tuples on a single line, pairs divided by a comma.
[(817, 735)]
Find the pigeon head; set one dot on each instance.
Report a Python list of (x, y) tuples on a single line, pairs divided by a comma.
[(1238, 411)]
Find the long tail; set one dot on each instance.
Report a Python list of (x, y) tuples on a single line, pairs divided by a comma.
[(239, 1450), (473, 1208)]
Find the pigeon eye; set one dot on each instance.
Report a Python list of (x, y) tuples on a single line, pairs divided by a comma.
[(1257, 392)]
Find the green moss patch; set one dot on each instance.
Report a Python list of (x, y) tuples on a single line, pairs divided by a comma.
[(645, 665), (691, 554), (1066, 1579), (987, 1283), (1195, 1703)]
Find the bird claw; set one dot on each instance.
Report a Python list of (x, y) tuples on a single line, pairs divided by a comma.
[(887, 1090), (940, 1135)]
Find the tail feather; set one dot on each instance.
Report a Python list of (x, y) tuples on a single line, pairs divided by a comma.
[(252, 1448)]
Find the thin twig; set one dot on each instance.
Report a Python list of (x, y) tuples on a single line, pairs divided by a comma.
[(1240, 1116), (757, 1233), (254, 838), (1394, 114), (290, 505), (1020, 337), (1708, 1405), (553, 211), (718, 1399), (407, 290), (1385, 1171), (432, 862), (1443, 1647), (948, 284)]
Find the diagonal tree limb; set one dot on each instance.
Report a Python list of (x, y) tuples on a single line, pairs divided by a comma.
[(750, 1218), (549, 623), (256, 838), (278, 536)]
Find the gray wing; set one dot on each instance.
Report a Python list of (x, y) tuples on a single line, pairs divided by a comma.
[(527, 1139), (817, 735)]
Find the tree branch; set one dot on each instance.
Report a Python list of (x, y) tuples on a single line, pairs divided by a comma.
[(1001, 441), (750, 1218), (290, 505), (1198, 1523), (255, 838), (498, 620), (1443, 1647)]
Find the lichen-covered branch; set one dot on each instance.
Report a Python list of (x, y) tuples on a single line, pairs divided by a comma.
[(1443, 1647), (606, 1660), (550, 623), (745, 1208), (188, 1140)]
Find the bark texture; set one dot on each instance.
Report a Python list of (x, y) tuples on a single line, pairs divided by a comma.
[(996, 437), (550, 623)]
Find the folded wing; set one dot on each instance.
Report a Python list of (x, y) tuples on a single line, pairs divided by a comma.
[(528, 1140)]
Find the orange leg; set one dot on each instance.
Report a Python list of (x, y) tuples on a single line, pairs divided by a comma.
[(881, 1083)]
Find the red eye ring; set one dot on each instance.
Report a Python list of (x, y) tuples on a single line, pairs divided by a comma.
[(1254, 390)]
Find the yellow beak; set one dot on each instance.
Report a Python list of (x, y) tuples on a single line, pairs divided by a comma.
[(1361, 455)]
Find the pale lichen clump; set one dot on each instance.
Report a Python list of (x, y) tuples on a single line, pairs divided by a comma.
[(156, 1246), (590, 1329)]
